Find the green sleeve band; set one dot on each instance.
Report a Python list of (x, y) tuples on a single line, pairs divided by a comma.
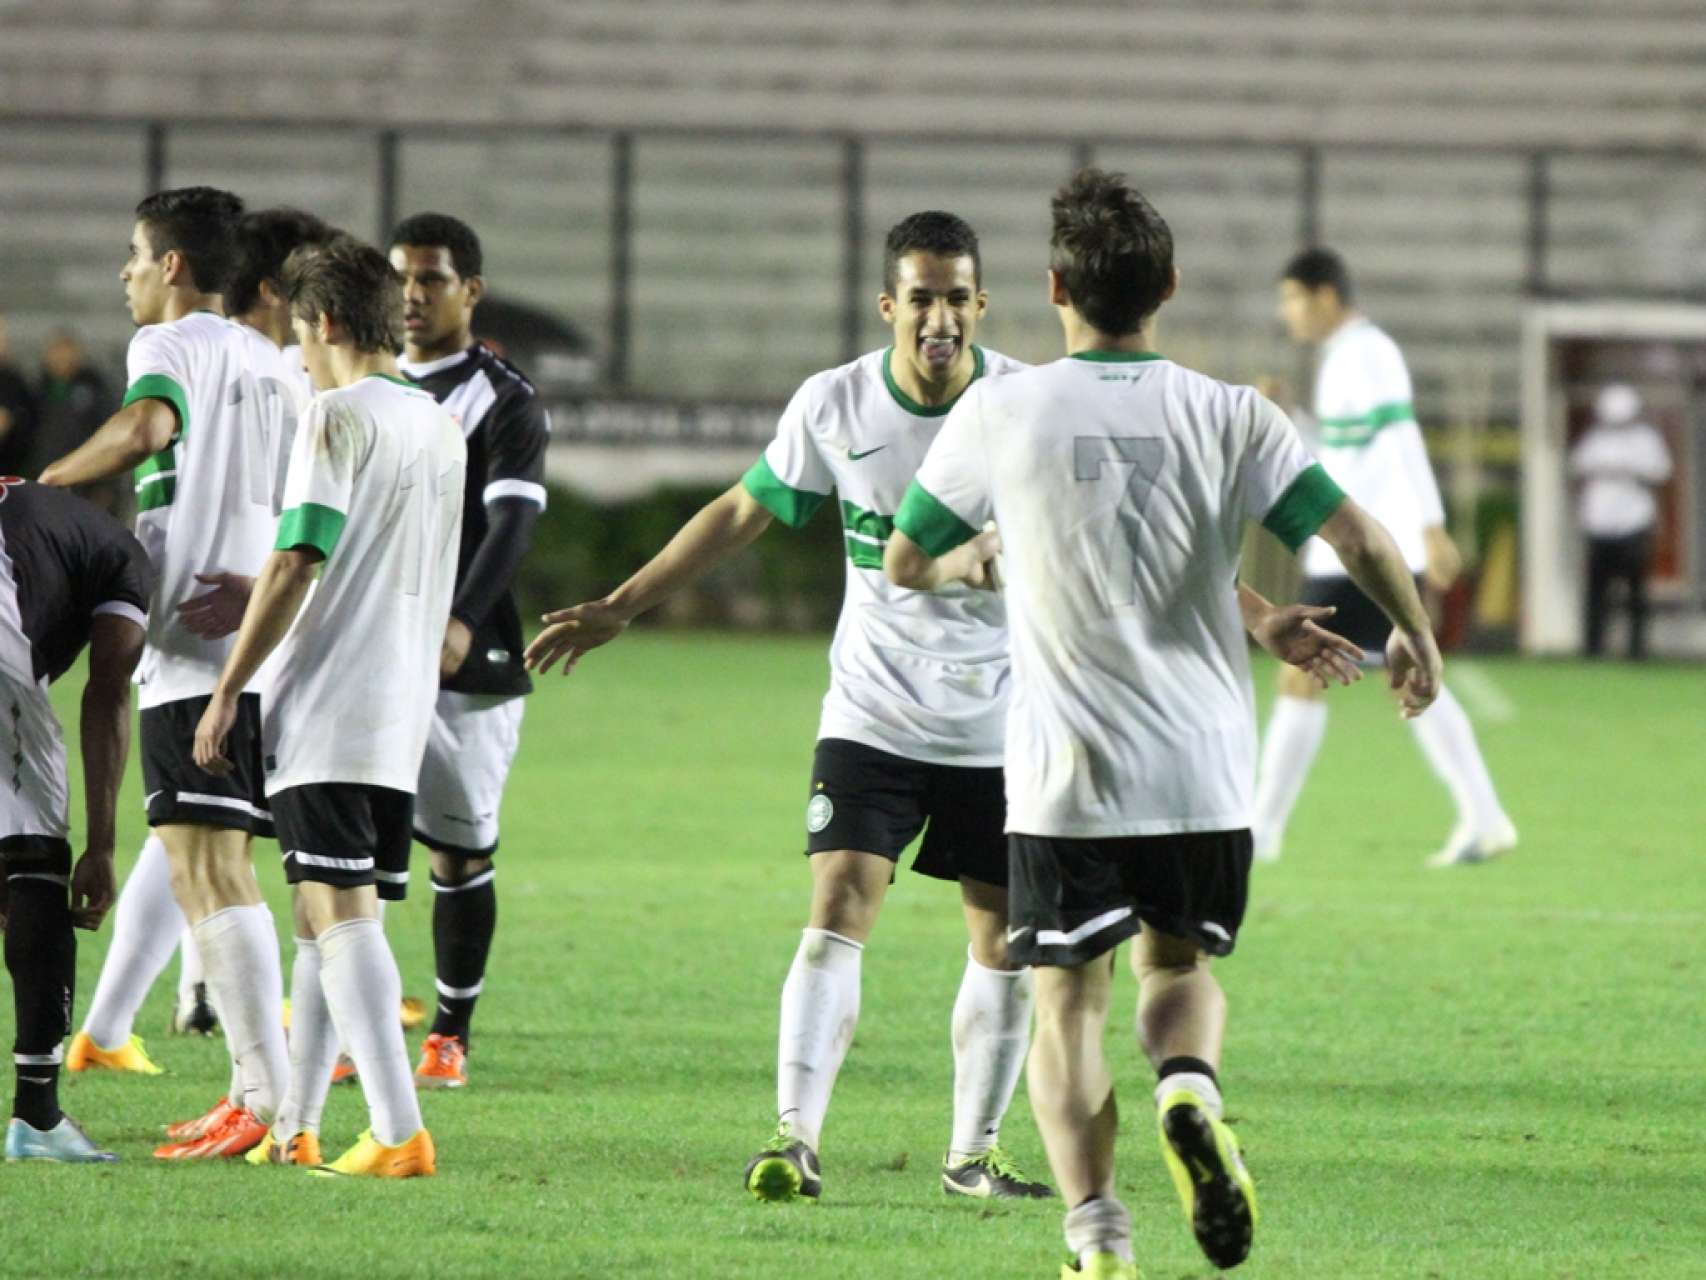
[(930, 523), (310, 525), (1304, 507), (793, 507), (160, 386)]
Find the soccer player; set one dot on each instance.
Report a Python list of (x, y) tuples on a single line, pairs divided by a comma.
[(373, 506), (476, 722), (207, 403), (147, 917), (1121, 485), (70, 576), (910, 737), (1372, 447)]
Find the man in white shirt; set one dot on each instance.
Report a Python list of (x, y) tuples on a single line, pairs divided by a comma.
[(1371, 445), (1620, 463), (1121, 485)]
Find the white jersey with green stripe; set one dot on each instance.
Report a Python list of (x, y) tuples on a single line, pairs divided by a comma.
[(375, 485), (1370, 442), (207, 502), (1122, 485), (918, 674)]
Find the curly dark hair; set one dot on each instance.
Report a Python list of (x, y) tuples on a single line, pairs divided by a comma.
[(1112, 251), (440, 230), (201, 224)]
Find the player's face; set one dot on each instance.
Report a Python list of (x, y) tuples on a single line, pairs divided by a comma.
[(438, 304), (1309, 314), (144, 278), (934, 311)]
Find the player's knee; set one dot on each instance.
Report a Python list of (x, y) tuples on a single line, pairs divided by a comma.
[(844, 902), (452, 870)]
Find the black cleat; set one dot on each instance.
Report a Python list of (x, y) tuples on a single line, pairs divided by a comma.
[(992, 1176), (787, 1169)]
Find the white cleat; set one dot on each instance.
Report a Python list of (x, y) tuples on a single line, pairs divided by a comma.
[(1467, 847)]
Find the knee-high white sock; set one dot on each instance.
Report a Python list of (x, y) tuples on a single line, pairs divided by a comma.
[(189, 966), (1294, 736), (146, 925), (362, 986), (992, 1032), (313, 1046), (239, 950), (1447, 739), (820, 1008)]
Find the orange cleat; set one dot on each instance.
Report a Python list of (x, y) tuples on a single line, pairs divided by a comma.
[(85, 1055), (240, 1131), (343, 1071), (444, 1063), (202, 1125), (413, 1012), (370, 1158), (302, 1150)]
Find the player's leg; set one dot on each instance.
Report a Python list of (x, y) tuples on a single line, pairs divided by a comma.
[(294, 1137), (1594, 602), (146, 924), (470, 749), (1637, 563), (1447, 739), (194, 1014), (370, 828)]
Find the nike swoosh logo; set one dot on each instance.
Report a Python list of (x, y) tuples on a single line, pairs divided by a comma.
[(1013, 935), (854, 457)]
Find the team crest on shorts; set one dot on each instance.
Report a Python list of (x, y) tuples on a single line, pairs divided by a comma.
[(819, 812)]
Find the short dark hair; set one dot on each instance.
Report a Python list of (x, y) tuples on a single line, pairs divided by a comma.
[(353, 284), (1112, 251), (1319, 268), (944, 234), (440, 230), (201, 224), (265, 238)]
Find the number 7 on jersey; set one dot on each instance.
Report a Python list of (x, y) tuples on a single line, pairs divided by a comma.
[(1093, 458)]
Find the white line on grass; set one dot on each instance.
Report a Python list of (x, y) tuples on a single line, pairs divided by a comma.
[(1487, 701)]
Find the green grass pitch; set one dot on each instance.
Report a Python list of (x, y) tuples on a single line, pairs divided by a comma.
[(1494, 1072)]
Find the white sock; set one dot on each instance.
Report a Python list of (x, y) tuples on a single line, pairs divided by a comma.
[(240, 952), (1294, 736), (146, 925), (1099, 1225), (992, 1032), (359, 976), (189, 966), (1199, 1084), (313, 1046), (1447, 739), (820, 1008)]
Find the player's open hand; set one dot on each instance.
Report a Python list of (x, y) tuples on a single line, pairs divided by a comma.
[(219, 612), (93, 888), (1293, 633), (211, 733), (574, 632), (1414, 667)]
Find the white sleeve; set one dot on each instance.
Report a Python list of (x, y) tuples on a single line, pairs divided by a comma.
[(949, 499), (157, 368), (1284, 486), (331, 440), (790, 478)]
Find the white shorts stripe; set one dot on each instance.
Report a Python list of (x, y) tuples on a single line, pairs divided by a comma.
[(221, 802), (335, 864), (459, 993), (40, 1059), (485, 877), (1058, 938)]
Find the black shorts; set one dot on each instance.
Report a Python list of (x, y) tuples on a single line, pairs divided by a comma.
[(1074, 899), (38, 857), (179, 790), (1358, 619), (346, 834), (874, 802)]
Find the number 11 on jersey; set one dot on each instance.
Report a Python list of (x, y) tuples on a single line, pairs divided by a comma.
[(1093, 458)]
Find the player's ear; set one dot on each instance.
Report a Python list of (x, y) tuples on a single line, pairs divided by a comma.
[(885, 307), (174, 267), (271, 294), (982, 302), (475, 288), (1172, 286), (326, 329), (1057, 294)]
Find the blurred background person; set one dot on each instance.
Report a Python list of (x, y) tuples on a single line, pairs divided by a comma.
[(1619, 465), (17, 412), (73, 397)]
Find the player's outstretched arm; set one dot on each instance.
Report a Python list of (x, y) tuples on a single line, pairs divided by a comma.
[(972, 562), (115, 646), (722, 527), (278, 595), (1376, 565), (127, 439), (1294, 634)]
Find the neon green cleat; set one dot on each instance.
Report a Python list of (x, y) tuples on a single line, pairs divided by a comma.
[(85, 1055), (786, 1169), (1102, 1266), (1214, 1187)]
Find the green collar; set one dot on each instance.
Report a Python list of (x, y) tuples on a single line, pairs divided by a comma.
[(1117, 357), (928, 410), (385, 377)]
